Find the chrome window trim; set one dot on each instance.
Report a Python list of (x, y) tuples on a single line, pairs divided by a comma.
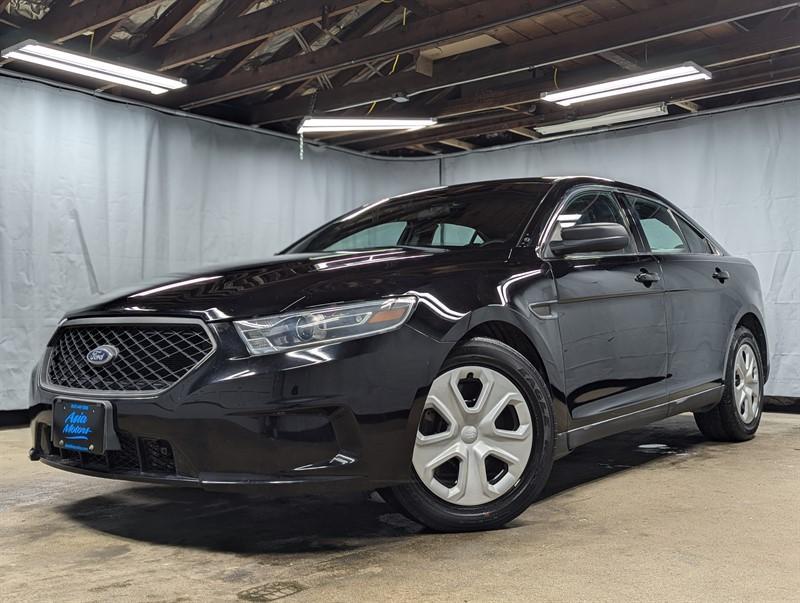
[(543, 246), (121, 320)]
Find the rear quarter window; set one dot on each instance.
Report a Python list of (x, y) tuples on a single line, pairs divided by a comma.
[(695, 239)]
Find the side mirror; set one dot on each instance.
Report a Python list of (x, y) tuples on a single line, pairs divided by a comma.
[(588, 238)]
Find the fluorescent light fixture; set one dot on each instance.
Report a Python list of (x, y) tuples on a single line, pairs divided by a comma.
[(362, 124), (605, 120), (55, 57), (687, 72)]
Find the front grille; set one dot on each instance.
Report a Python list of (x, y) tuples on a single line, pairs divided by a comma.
[(150, 357), (137, 455)]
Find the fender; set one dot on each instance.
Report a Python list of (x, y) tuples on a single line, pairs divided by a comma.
[(543, 336), (755, 311)]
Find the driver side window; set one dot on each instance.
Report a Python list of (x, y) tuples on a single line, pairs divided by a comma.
[(592, 207)]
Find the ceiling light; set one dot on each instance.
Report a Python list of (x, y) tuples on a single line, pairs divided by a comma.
[(687, 72), (55, 57), (605, 120), (362, 124)]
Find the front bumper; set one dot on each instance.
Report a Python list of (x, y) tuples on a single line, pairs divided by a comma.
[(338, 416)]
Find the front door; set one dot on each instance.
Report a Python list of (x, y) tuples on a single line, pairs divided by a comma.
[(612, 318)]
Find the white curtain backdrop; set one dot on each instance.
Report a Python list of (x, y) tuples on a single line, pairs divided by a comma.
[(98, 192), (736, 173), (95, 195)]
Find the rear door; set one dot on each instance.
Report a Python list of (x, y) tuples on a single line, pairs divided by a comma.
[(611, 315), (700, 313)]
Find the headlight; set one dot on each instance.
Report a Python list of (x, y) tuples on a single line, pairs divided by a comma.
[(326, 325)]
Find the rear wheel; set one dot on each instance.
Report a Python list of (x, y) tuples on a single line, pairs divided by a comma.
[(737, 416), (484, 445)]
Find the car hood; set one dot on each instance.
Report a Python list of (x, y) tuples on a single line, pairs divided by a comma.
[(281, 283)]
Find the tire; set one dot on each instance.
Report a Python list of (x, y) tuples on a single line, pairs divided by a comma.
[(737, 416), (498, 408)]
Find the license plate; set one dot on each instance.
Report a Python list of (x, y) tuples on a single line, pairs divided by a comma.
[(79, 425)]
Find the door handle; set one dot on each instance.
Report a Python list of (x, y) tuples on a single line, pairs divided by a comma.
[(647, 278), (721, 275)]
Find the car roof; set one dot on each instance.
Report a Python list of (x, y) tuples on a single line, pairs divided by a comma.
[(491, 185)]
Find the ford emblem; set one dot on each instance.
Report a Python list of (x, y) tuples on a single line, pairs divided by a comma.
[(102, 355)]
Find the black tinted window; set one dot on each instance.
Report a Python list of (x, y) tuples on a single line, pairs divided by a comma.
[(466, 216), (697, 242), (660, 228)]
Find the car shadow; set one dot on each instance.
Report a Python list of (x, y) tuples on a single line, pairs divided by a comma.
[(248, 524), (677, 438)]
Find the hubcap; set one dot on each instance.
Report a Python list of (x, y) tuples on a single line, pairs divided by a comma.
[(475, 436), (747, 393)]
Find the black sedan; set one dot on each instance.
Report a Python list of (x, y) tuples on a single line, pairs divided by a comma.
[(443, 347)]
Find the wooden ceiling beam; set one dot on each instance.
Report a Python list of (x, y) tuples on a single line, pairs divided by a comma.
[(486, 100), (741, 47), (526, 132), (241, 31), (637, 28), (774, 19), (744, 46), (747, 46), (382, 68), (424, 149), (690, 106), (361, 27), (238, 56), (101, 36), (177, 15), (769, 72), (63, 21), (740, 79), (437, 134), (235, 59), (458, 144), (621, 59), (463, 21), (232, 9), (417, 7)]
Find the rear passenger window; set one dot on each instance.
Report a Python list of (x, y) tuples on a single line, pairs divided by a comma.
[(660, 228), (697, 242)]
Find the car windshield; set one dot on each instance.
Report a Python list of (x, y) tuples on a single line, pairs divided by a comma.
[(457, 217)]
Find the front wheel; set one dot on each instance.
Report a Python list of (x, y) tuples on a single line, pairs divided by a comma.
[(484, 445), (737, 416)]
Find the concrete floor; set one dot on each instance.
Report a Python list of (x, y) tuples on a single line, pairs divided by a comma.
[(652, 515)]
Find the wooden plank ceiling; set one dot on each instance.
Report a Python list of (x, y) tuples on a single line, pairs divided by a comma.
[(478, 66)]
